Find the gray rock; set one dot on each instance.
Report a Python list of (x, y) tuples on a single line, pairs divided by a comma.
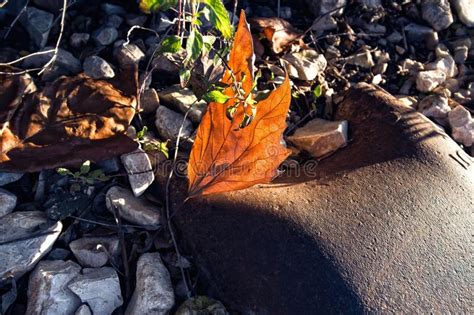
[(134, 19), (445, 64), (8, 177), (437, 13), (7, 202), (201, 305), (139, 170), (25, 237), (362, 59), (111, 9), (324, 23), (128, 54), (320, 137), (105, 35), (426, 81), (153, 292), (460, 54), (168, 123), (131, 208), (149, 101), (462, 125), (65, 63), (395, 37), (320, 7), (465, 10), (114, 21), (48, 293), (181, 100), (99, 288), (95, 251), (371, 3), (305, 65), (110, 166), (58, 254), (83, 310), (98, 68), (434, 106), (418, 33), (37, 23), (78, 40)]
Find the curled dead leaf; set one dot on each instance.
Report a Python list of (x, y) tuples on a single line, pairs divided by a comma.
[(279, 33), (226, 157), (71, 120)]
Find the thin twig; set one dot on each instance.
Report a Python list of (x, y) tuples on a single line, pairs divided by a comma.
[(16, 19), (121, 235)]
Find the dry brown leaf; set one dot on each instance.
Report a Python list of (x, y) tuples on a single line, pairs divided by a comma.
[(280, 33), (71, 120), (225, 157)]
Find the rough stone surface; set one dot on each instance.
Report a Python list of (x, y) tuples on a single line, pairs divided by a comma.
[(434, 106), (201, 305), (168, 123), (48, 293), (416, 33), (305, 65), (114, 21), (128, 54), (95, 251), (359, 234), (462, 125), (78, 40), (7, 202), (181, 100), (130, 208), (465, 10), (83, 310), (320, 137), (320, 7), (25, 237), (149, 101), (437, 13), (99, 288), (153, 292), (37, 23), (445, 64), (139, 170), (426, 81), (362, 59), (7, 178), (98, 68), (65, 64), (105, 35), (111, 9)]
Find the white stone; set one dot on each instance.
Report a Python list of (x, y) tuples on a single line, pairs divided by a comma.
[(465, 10), (7, 202), (139, 169), (320, 137), (153, 292), (426, 81), (25, 237), (83, 310), (362, 59), (445, 64), (434, 106), (99, 288), (437, 13), (168, 123), (98, 68), (95, 251), (132, 209), (304, 65), (48, 293), (128, 54), (462, 125), (181, 100)]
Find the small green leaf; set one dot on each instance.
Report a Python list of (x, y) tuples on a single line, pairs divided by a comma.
[(184, 76), (85, 167), (141, 133), (171, 44), (318, 91), (215, 96), (194, 46), (63, 171), (219, 17), (150, 6), (208, 41)]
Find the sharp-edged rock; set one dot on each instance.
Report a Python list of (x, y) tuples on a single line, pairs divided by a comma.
[(168, 123), (462, 125), (95, 251), (65, 64), (153, 292), (7, 202), (8, 177), (128, 54), (48, 293), (434, 106), (99, 288), (445, 64), (98, 68), (426, 81), (139, 170), (105, 35), (131, 208), (37, 23), (437, 13), (25, 238), (320, 137), (83, 310), (182, 100), (304, 65)]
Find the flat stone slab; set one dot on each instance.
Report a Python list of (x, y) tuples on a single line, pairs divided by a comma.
[(383, 225)]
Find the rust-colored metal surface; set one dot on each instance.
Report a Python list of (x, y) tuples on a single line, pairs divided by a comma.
[(383, 225)]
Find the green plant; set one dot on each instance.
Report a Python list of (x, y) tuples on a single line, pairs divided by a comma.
[(151, 145), (84, 176)]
